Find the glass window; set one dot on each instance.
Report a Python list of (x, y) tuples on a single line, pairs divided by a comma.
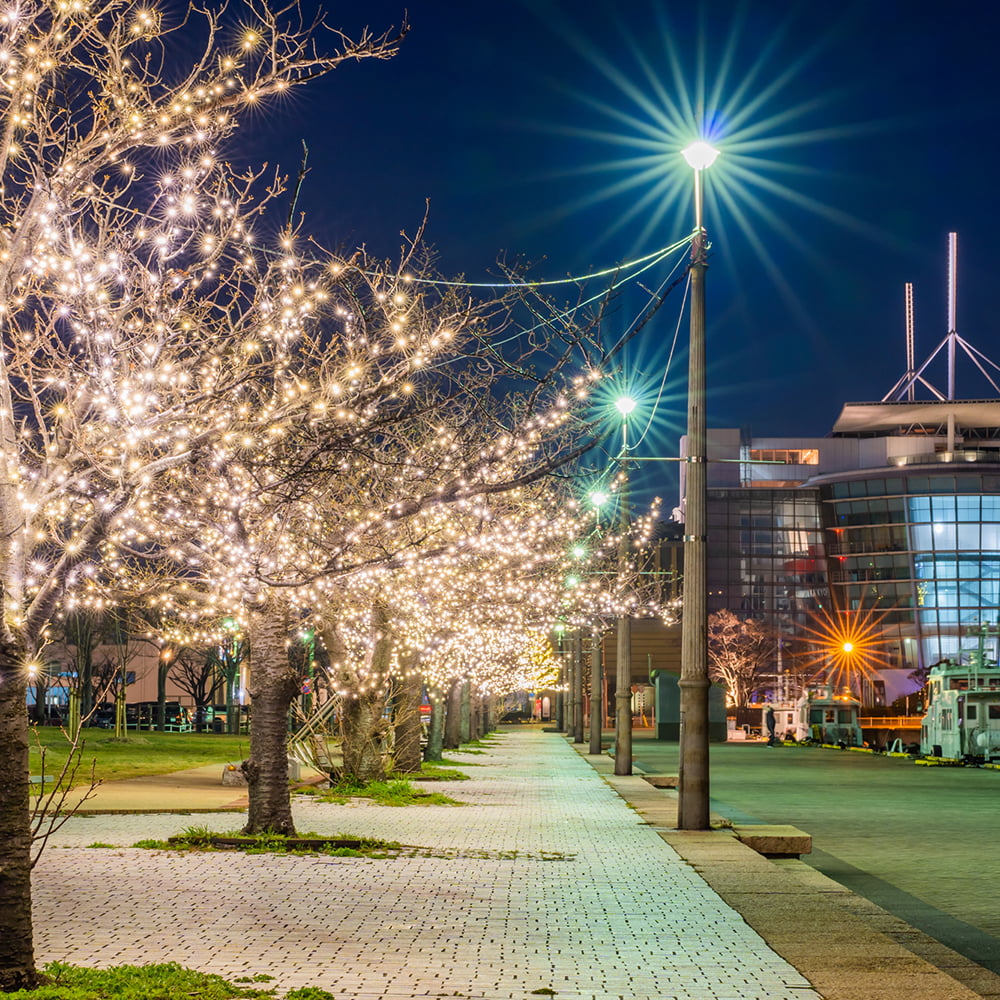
[(786, 456), (968, 536), (970, 712), (942, 509), (920, 508), (994, 712), (967, 508)]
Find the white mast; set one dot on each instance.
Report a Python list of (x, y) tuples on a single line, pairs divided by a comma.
[(910, 357), (952, 309)]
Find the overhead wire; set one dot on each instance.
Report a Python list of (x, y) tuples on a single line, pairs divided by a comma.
[(666, 367), (570, 280)]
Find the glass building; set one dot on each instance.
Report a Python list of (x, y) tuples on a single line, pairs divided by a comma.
[(896, 511)]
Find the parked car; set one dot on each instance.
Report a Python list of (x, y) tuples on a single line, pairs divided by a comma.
[(103, 717), (144, 715)]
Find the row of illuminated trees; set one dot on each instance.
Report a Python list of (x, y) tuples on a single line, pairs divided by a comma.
[(206, 416)]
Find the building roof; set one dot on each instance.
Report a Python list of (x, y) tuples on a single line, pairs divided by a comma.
[(931, 416)]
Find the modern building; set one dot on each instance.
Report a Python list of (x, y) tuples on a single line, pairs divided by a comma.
[(896, 512)]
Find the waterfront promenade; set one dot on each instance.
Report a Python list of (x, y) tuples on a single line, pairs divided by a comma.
[(546, 882)]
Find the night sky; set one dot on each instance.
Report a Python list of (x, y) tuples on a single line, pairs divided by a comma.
[(861, 136)]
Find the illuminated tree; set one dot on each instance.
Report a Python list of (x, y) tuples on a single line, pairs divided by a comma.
[(739, 651), (128, 273)]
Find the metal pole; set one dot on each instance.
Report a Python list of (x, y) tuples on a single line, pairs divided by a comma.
[(623, 677), (578, 686), (693, 787), (596, 692)]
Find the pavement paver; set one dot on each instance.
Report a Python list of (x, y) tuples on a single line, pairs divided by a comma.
[(546, 880)]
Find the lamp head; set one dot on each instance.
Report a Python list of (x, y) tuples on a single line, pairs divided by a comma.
[(599, 499), (700, 155), (625, 405)]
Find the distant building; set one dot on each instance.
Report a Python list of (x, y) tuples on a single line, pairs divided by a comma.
[(897, 510)]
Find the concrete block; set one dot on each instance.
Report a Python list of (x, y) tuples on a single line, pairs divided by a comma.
[(661, 780), (774, 841), (232, 775)]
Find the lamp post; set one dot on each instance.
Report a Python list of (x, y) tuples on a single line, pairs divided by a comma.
[(692, 786), (623, 677)]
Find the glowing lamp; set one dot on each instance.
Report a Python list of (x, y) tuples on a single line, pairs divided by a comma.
[(625, 405), (848, 647), (700, 155), (599, 499)]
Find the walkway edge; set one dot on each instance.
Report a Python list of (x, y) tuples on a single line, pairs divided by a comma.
[(846, 946)]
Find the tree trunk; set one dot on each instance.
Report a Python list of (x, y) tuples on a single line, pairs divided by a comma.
[(476, 729), (162, 669), (17, 959), (364, 729), (273, 686), (406, 720), (435, 737), (363, 724), (465, 713), (453, 716)]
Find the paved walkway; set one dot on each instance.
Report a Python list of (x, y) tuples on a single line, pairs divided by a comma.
[(594, 903)]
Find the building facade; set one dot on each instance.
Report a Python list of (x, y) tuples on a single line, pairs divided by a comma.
[(895, 515)]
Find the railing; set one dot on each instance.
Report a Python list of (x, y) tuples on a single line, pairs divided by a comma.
[(890, 721), (957, 456)]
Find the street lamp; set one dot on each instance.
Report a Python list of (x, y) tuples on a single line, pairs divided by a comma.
[(692, 785), (623, 677)]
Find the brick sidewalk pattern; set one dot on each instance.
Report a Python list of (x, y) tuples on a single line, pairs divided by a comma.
[(593, 904)]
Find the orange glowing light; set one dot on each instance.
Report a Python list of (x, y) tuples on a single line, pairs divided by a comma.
[(846, 646)]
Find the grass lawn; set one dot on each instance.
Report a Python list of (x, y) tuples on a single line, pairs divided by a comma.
[(144, 753)]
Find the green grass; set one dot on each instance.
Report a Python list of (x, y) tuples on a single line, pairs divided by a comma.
[(203, 839), (133, 982), (434, 769), (394, 792), (148, 753)]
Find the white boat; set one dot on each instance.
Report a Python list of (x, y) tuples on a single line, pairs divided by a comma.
[(820, 715), (962, 721)]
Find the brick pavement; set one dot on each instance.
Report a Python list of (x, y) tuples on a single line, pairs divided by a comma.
[(614, 913)]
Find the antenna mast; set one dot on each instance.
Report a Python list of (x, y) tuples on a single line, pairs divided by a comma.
[(952, 309), (908, 296), (908, 383)]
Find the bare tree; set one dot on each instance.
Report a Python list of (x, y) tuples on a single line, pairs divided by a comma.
[(196, 673), (739, 651)]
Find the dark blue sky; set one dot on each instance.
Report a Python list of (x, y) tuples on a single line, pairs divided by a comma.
[(484, 110)]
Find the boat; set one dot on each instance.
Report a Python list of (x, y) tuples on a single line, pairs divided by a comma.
[(962, 722), (820, 715)]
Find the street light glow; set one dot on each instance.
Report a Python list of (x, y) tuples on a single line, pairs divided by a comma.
[(599, 499), (700, 155), (625, 405)]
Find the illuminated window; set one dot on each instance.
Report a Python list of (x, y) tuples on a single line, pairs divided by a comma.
[(786, 456)]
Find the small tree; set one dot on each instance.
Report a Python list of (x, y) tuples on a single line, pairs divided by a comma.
[(196, 673), (739, 652)]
